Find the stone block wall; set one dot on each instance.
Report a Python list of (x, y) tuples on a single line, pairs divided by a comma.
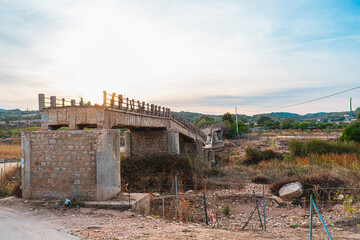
[(52, 159), (148, 142)]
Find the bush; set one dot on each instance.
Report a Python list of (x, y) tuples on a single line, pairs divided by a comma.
[(157, 173), (261, 179), (11, 182), (352, 132), (255, 156), (317, 146)]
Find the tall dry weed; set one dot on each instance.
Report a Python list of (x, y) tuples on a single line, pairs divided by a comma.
[(10, 151)]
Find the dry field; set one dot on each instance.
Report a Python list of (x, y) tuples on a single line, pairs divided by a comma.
[(10, 151)]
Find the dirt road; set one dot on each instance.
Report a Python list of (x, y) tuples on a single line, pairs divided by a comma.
[(14, 227)]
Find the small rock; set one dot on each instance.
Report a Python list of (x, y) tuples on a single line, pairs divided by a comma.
[(156, 194), (93, 227), (278, 200), (189, 192)]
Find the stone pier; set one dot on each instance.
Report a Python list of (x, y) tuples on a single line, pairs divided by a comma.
[(58, 162)]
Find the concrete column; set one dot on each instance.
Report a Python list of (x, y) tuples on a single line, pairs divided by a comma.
[(41, 101), (199, 150), (25, 165), (173, 142), (127, 144), (108, 180)]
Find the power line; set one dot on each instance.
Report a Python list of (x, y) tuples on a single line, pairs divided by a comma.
[(309, 101)]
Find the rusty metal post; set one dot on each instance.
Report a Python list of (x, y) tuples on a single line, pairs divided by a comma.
[(104, 98), (120, 99), (41, 98), (53, 101)]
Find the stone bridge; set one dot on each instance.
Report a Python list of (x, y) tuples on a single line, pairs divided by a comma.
[(84, 160)]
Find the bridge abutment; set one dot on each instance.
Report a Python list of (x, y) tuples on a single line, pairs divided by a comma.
[(59, 164)]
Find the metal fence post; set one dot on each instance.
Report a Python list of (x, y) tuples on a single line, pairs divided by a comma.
[(163, 206), (206, 217), (264, 208), (177, 198), (311, 216), (76, 186)]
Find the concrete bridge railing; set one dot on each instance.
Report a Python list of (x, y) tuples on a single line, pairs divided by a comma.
[(119, 103)]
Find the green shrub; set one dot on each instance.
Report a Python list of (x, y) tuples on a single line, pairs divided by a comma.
[(352, 132), (299, 148)]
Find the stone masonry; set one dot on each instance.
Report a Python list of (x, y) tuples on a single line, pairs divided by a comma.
[(52, 159), (148, 142)]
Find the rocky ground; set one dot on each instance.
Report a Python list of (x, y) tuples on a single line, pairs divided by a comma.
[(283, 222)]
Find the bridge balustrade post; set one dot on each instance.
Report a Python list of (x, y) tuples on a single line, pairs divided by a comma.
[(127, 103), (139, 106), (143, 108), (120, 99), (155, 110), (152, 109), (132, 105), (148, 108), (73, 104), (112, 100), (104, 98), (163, 112), (159, 112), (53, 101), (41, 98), (63, 102)]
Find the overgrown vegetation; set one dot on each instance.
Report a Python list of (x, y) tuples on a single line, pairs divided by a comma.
[(157, 173), (8, 151), (255, 156), (11, 183), (316, 146)]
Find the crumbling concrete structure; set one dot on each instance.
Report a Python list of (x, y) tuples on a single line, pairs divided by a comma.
[(65, 164), (86, 163)]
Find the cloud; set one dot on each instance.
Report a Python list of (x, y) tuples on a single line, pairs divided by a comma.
[(191, 55)]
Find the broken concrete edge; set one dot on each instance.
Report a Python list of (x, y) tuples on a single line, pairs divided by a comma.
[(139, 202)]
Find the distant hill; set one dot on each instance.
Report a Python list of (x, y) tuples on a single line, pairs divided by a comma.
[(278, 116)]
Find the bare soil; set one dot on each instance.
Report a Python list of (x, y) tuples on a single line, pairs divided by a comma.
[(287, 222)]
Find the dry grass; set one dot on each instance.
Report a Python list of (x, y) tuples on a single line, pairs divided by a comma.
[(10, 151), (331, 159), (11, 182)]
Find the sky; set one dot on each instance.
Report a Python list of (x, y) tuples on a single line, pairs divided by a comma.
[(200, 56)]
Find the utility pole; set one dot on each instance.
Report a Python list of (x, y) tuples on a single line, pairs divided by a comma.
[(351, 116), (236, 119), (27, 119)]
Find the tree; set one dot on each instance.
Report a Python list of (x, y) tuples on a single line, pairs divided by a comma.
[(358, 116), (352, 132), (263, 119), (287, 123), (228, 117), (203, 121)]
